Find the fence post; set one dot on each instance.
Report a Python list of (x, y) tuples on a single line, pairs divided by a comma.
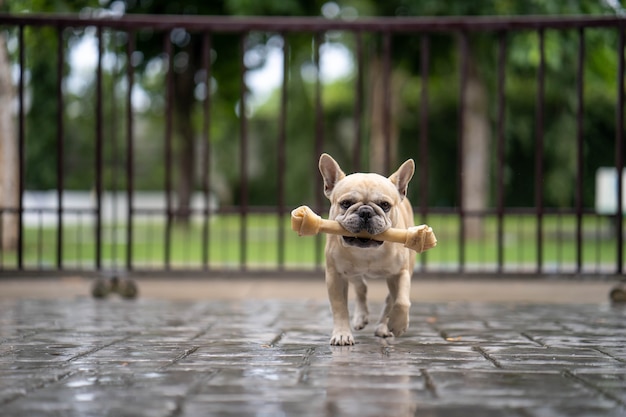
[(169, 103), (60, 147), (539, 109), (619, 152), (580, 112), (282, 157), (130, 46), (206, 148), (463, 68), (98, 155), (243, 157), (501, 147)]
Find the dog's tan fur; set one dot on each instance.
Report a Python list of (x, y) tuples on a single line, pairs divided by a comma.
[(374, 203)]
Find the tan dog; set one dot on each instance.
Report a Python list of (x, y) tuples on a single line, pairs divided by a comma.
[(372, 203)]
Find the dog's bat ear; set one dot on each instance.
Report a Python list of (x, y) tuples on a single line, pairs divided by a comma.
[(402, 176), (331, 172)]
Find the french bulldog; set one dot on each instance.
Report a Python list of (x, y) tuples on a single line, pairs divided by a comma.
[(372, 203)]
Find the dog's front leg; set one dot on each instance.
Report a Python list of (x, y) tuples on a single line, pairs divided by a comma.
[(338, 295)]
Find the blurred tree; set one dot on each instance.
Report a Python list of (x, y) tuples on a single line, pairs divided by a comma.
[(40, 137), (480, 77), (187, 64), (41, 59)]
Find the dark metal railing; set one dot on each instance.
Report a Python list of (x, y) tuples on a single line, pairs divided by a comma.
[(236, 224)]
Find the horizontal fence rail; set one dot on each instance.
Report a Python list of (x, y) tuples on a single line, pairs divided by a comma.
[(129, 193)]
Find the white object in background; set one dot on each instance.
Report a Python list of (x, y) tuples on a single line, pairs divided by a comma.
[(606, 190)]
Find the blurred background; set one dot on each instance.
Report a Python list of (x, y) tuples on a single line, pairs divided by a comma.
[(183, 143)]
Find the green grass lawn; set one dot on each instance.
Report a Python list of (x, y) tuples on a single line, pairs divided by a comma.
[(262, 249)]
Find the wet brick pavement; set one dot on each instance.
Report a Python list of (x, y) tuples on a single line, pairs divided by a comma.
[(82, 357)]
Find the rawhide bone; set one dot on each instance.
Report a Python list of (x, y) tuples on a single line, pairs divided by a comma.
[(307, 223)]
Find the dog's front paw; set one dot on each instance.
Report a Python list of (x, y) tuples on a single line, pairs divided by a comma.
[(342, 338), (398, 320)]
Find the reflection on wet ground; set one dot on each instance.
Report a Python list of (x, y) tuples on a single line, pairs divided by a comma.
[(84, 357)]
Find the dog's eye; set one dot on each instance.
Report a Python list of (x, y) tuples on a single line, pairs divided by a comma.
[(385, 206), (345, 204)]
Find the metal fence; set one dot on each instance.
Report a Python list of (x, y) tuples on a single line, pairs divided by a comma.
[(122, 227)]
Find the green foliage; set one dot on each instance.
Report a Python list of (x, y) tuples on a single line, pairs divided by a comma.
[(49, 6), (273, 7), (338, 101), (41, 60), (41, 135)]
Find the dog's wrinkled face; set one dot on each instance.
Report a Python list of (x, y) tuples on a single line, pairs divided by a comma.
[(364, 202)]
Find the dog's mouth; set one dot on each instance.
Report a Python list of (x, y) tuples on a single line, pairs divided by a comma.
[(362, 242)]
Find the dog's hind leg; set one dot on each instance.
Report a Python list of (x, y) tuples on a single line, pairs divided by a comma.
[(381, 328), (361, 312), (394, 320), (400, 288)]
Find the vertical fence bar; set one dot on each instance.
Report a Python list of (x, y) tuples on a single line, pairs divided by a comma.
[(98, 155), (539, 150), (282, 157), (206, 150), (319, 143), (169, 102), (21, 151), (387, 101), (464, 51), (425, 75), (580, 113), (502, 47), (115, 156), (243, 157), (60, 147), (130, 47), (358, 105), (423, 129), (619, 153)]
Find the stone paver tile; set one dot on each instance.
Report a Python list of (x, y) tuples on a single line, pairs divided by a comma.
[(549, 358), (515, 389), (158, 358)]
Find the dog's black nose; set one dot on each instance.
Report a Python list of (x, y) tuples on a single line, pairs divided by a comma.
[(365, 212)]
